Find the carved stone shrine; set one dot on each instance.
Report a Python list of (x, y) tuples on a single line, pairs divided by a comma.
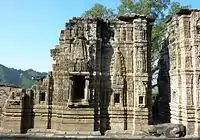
[(184, 52), (100, 76)]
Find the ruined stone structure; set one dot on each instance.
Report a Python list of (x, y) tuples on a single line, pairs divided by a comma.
[(10, 101), (184, 46), (99, 80)]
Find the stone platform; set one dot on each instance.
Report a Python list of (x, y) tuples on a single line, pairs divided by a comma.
[(61, 137)]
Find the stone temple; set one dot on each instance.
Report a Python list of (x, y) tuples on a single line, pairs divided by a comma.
[(101, 79)]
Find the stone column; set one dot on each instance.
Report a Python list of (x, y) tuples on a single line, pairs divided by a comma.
[(70, 91), (86, 90), (37, 97)]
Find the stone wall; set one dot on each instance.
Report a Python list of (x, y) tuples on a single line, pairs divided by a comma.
[(17, 113), (7, 95), (5, 91)]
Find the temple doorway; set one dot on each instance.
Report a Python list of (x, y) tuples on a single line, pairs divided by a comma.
[(78, 88)]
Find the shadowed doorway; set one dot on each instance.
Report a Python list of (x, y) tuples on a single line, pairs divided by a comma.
[(78, 88)]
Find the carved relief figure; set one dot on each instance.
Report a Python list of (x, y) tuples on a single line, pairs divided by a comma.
[(187, 28), (144, 66), (116, 68), (197, 56), (80, 52), (189, 96), (188, 59), (179, 56), (141, 88), (129, 63), (173, 58), (137, 59), (139, 32), (141, 92), (130, 34), (189, 80), (141, 59), (123, 34), (119, 80), (91, 56)]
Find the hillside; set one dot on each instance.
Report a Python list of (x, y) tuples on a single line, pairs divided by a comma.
[(18, 77)]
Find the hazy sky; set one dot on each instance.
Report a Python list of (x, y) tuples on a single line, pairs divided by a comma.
[(30, 28)]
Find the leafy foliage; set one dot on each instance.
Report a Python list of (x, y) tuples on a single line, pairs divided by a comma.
[(18, 77), (175, 7), (99, 10), (152, 7), (126, 6)]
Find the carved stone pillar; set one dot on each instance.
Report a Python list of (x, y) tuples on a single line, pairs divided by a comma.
[(86, 90), (37, 97), (70, 92)]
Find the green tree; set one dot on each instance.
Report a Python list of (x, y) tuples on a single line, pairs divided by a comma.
[(152, 7), (126, 6), (175, 7), (99, 10)]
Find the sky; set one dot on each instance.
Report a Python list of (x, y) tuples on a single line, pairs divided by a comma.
[(30, 28)]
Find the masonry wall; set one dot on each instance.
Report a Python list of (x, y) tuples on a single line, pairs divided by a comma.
[(10, 115)]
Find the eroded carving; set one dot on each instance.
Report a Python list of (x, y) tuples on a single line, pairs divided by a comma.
[(169, 130)]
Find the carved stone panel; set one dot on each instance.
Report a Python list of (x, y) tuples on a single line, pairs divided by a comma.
[(188, 57), (179, 56), (187, 27), (173, 59), (197, 57), (141, 59)]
